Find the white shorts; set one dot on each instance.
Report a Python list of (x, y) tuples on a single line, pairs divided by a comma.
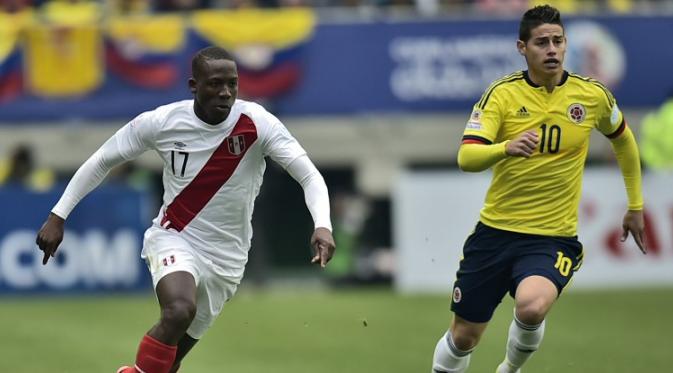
[(166, 252)]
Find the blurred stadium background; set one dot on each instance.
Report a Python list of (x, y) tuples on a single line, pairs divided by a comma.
[(378, 92)]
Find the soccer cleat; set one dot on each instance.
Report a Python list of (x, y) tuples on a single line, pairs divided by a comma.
[(506, 367)]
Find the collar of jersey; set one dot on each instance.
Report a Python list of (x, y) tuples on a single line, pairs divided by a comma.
[(233, 114), (532, 84)]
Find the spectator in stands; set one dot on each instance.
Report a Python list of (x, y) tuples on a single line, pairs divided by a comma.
[(499, 6), (126, 7), (656, 137), (181, 5), (13, 6), (19, 169)]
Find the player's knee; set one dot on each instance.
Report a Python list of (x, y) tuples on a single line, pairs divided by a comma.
[(178, 314), (465, 343), (465, 340), (532, 312)]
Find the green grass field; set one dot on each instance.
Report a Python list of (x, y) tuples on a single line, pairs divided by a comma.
[(336, 332)]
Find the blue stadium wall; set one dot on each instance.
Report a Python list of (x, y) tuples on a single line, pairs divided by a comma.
[(101, 247)]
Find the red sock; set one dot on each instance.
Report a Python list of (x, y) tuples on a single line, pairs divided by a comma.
[(154, 356)]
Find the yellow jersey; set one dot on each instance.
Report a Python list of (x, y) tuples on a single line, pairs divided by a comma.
[(541, 194)]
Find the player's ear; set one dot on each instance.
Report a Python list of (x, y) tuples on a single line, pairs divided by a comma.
[(192, 85), (521, 47)]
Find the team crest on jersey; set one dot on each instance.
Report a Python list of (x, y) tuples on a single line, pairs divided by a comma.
[(236, 144), (577, 113), (168, 260), (457, 295)]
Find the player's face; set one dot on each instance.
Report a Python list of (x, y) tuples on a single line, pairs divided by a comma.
[(545, 50), (215, 88)]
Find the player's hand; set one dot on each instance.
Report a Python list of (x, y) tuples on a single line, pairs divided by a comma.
[(524, 145), (50, 236), (635, 223), (322, 244)]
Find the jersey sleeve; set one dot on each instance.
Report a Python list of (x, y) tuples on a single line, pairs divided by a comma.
[(316, 195), (137, 136), (279, 144), (128, 143), (610, 120), (484, 122)]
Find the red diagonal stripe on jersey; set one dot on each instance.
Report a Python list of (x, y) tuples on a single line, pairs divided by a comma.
[(215, 173)]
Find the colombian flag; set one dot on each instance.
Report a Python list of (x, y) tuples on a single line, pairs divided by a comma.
[(144, 50), (62, 51), (267, 44)]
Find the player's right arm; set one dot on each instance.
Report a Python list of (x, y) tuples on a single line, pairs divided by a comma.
[(478, 150), (473, 157), (128, 143)]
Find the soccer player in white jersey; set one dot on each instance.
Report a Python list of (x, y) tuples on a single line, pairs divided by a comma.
[(213, 149)]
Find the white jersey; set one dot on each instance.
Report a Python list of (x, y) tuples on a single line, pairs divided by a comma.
[(211, 175)]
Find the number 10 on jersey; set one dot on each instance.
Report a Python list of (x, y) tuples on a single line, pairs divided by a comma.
[(551, 138)]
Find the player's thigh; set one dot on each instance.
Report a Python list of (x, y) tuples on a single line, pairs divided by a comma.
[(542, 269), (172, 264), (483, 276), (176, 288), (213, 292)]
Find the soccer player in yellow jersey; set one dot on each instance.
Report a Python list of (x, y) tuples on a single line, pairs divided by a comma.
[(533, 128)]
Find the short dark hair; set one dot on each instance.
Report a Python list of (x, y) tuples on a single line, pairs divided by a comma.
[(537, 16), (209, 53)]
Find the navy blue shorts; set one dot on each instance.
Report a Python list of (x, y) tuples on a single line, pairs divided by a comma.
[(496, 261)]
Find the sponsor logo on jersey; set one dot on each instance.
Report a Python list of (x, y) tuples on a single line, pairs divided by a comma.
[(457, 295), (577, 113), (522, 112), (475, 120), (236, 144), (475, 117), (614, 116), (179, 144)]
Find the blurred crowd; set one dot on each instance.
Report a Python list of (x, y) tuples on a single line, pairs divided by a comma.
[(439, 6)]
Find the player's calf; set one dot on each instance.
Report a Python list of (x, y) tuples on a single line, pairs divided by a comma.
[(523, 340), (448, 358)]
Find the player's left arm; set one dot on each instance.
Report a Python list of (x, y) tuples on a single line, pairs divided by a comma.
[(284, 149), (613, 125), (317, 200)]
